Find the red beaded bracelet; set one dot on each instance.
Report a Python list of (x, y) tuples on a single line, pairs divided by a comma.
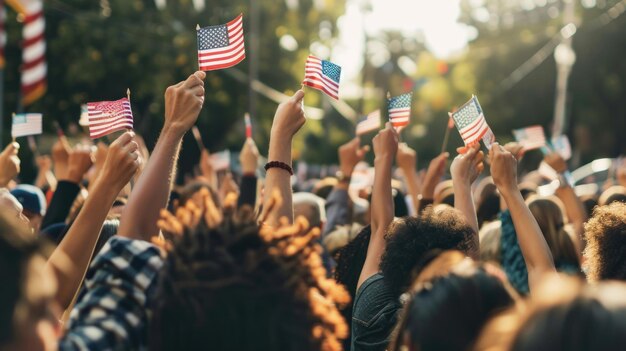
[(278, 164)]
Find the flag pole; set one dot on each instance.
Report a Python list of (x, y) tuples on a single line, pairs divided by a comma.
[(131, 108), (446, 136), (198, 137), (12, 118)]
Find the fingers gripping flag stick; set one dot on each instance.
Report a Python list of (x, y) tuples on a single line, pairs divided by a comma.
[(470, 121), (106, 117), (400, 110), (322, 75), (221, 46)]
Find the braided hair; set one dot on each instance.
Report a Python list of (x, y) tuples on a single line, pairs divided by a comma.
[(228, 284)]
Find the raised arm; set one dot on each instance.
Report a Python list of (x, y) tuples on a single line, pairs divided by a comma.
[(536, 252), (465, 169), (573, 206), (71, 258), (385, 148), (183, 103), (436, 169), (406, 160), (289, 118), (249, 159)]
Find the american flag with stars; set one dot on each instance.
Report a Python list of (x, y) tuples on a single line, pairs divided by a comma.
[(221, 46), (322, 75), (400, 110), (368, 123), (471, 123), (106, 117), (530, 138), (25, 124)]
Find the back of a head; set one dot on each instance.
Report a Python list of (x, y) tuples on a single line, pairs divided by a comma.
[(409, 239), (615, 193), (592, 317), (311, 206), (605, 252), (233, 286), (550, 218), (448, 311), (563, 314), (17, 248)]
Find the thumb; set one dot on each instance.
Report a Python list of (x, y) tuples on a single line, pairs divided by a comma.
[(200, 74), (298, 96)]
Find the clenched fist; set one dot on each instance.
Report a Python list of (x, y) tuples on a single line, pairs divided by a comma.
[(467, 167), (289, 117), (121, 163), (503, 168), (183, 103), (386, 143), (9, 163), (350, 154)]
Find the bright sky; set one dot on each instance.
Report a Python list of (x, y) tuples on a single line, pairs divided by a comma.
[(436, 20)]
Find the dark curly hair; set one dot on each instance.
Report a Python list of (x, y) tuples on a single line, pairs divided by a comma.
[(350, 260), (605, 252), (229, 285), (409, 239)]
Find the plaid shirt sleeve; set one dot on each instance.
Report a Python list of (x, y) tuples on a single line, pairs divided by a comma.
[(112, 309)]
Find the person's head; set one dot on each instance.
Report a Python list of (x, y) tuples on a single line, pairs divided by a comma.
[(33, 203), (409, 239), (563, 314), (444, 193), (10, 206), (605, 252), (490, 235), (28, 311), (615, 193), (227, 284), (487, 201), (449, 303), (191, 191), (311, 207), (549, 215), (589, 203)]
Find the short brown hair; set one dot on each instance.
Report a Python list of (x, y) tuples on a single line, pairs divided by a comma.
[(605, 252)]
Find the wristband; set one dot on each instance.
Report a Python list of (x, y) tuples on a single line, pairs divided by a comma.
[(278, 164)]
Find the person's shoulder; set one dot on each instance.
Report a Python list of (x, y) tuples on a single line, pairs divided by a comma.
[(374, 293)]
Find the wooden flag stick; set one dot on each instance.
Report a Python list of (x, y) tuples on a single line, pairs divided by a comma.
[(446, 136), (12, 136), (198, 137), (197, 27)]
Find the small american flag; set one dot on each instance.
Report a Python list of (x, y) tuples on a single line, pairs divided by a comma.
[(220, 161), (322, 75), (248, 125), (106, 117), (531, 137), (26, 124), (221, 46), (471, 123), (369, 123), (400, 110)]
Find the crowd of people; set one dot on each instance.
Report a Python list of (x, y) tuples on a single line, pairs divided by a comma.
[(104, 252)]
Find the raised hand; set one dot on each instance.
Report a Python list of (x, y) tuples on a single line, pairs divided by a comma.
[(350, 154), (436, 170), (80, 161), (386, 144), (249, 157), (467, 167), (60, 157), (121, 163), (503, 169), (516, 149), (289, 117), (9, 163), (556, 161), (183, 103)]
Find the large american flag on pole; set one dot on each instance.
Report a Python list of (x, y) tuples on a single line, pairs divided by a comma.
[(221, 46), (106, 117), (530, 138), (368, 123), (400, 110), (470, 121), (322, 75), (26, 124)]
